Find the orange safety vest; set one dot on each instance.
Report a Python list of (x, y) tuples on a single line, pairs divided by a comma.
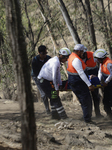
[(104, 69), (90, 60), (70, 68)]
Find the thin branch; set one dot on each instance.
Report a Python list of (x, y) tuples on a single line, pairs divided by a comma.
[(38, 37), (27, 34), (29, 23), (108, 4)]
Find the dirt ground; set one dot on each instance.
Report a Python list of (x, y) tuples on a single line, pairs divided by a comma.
[(70, 134)]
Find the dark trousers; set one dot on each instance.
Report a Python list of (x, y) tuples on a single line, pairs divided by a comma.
[(107, 99), (43, 95), (55, 102), (82, 92), (96, 101), (95, 93)]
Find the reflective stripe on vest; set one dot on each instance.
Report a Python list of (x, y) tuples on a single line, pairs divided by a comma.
[(71, 69), (91, 68), (104, 69)]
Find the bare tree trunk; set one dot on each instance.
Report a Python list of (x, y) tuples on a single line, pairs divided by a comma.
[(18, 46), (109, 17), (30, 35), (68, 21), (106, 30), (84, 9), (4, 70), (48, 25), (90, 24), (51, 33), (56, 46)]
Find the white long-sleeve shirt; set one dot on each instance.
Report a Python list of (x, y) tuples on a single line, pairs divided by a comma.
[(100, 76), (51, 71), (76, 63)]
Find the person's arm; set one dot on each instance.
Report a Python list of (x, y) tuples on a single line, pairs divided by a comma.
[(34, 66), (100, 74), (78, 66), (109, 78), (56, 75), (59, 78)]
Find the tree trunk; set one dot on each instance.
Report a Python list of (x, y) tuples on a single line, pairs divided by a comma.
[(90, 24), (4, 70), (69, 23), (109, 17), (56, 46), (22, 74), (105, 28), (48, 25)]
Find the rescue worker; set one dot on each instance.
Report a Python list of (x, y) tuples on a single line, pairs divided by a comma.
[(79, 82), (37, 63), (92, 69), (50, 78), (105, 76)]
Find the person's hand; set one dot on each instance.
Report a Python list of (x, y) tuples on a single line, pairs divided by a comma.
[(91, 88), (104, 84), (92, 76)]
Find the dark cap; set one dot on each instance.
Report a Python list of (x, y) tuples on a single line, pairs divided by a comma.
[(42, 48)]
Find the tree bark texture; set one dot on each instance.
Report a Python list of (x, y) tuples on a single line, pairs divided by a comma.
[(48, 25), (22, 74), (4, 70), (46, 19), (90, 24), (69, 23), (105, 28)]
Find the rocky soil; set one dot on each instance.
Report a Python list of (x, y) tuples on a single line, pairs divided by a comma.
[(70, 134)]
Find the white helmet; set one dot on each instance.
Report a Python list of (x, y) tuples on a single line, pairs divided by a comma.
[(64, 51), (79, 47), (85, 48), (100, 53)]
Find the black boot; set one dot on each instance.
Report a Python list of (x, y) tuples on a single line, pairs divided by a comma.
[(63, 115), (55, 115)]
